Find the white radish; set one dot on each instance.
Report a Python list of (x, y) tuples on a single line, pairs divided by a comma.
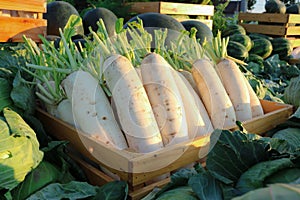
[(65, 113), (132, 105), (189, 77), (91, 109), (198, 120), (213, 94), (165, 98), (234, 82), (256, 107)]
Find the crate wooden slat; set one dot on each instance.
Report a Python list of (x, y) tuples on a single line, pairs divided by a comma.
[(17, 27), (18, 18), (280, 25), (170, 8), (28, 5)]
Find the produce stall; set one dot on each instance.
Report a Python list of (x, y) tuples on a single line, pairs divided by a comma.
[(108, 109)]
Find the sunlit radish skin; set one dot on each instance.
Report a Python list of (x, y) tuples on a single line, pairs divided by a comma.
[(132, 104), (213, 94), (65, 113), (165, 98), (92, 110), (198, 121), (236, 88), (256, 107)]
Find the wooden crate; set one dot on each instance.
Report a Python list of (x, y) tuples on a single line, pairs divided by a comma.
[(138, 169), (170, 8), (19, 17), (280, 25)]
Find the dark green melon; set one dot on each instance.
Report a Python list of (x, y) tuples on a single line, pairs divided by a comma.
[(57, 16), (237, 50), (254, 36), (275, 6), (243, 39), (233, 29), (255, 58), (261, 47), (282, 46), (155, 21), (91, 17), (293, 9), (203, 31)]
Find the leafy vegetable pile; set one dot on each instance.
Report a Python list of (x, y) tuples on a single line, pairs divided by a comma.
[(243, 166)]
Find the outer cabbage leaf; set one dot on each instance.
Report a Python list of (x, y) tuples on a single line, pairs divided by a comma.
[(291, 93), (291, 135), (73, 190), (277, 191), (179, 193), (233, 154), (19, 152), (254, 177), (115, 190), (38, 178)]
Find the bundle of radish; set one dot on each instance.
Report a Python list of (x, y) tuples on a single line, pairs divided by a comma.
[(233, 80), (133, 107), (81, 100), (210, 88)]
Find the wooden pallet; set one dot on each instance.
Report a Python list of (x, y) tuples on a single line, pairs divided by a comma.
[(140, 169), (170, 8), (279, 25), (18, 18)]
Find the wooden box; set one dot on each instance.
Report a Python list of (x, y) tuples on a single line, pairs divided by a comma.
[(278, 25), (170, 8), (19, 17), (139, 169)]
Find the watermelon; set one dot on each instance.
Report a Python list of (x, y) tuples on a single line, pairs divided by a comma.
[(243, 39), (261, 47), (233, 29), (155, 21), (203, 31), (259, 36), (293, 9), (255, 58), (237, 50), (282, 46), (57, 15), (275, 6), (91, 17)]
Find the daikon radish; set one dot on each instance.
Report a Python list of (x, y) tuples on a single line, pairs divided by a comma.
[(255, 104), (234, 82), (165, 98), (65, 113), (138, 71), (213, 94), (197, 118), (132, 105), (91, 109), (189, 77), (197, 125)]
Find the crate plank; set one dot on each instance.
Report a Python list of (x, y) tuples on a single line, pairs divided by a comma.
[(29, 5), (172, 8), (264, 29), (264, 17), (293, 30), (16, 27)]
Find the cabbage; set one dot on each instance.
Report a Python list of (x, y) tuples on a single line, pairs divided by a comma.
[(291, 93), (19, 150)]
